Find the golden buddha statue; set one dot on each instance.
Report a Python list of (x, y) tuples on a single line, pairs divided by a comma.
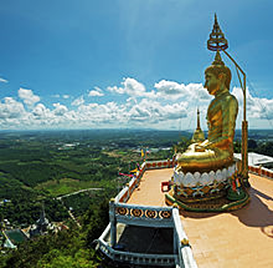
[(217, 151)]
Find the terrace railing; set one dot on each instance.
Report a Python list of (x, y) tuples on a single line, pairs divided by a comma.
[(160, 217), (141, 215), (261, 171), (181, 243), (137, 258)]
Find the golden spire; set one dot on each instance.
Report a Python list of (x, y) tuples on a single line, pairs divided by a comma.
[(198, 119), (218, 59), (198, 135), (217, 40)]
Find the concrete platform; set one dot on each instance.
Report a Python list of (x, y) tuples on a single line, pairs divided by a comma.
[(242, 238), (149, 190)]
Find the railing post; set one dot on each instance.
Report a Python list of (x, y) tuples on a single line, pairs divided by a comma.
[(185, 254), (112, 217), (128, 192)]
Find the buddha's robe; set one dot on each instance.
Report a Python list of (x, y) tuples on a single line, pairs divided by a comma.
[(217, 151)]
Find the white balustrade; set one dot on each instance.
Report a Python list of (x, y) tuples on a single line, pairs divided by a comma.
[(185, 254), (147, 216)]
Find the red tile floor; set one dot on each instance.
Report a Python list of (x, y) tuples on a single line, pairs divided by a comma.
[(241, 238)]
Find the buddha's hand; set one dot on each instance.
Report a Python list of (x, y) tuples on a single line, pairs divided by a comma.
[(202, 146), (206, 145), (199, 148)]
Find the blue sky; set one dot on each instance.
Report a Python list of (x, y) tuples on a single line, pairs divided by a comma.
[(137, 63)]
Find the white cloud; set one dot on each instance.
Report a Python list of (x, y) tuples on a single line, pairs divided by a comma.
[(260, 108), (155, 112), (79, 101), (40, 111), (169, 90), (61, 96), (11, 108), (28, 97), (3, 80), (116, 89), (170, 104), (96, 93), (60, 109), (174, 90), (109, 113), (131, 87)]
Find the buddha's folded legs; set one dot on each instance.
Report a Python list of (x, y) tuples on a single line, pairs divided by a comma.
[(192, 161)]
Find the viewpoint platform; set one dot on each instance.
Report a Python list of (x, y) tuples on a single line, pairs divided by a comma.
[(205, 207)]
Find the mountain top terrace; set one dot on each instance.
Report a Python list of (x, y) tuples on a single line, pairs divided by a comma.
[(242, 238)]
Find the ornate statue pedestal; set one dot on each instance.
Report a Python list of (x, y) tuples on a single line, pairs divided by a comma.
[(212, 191)]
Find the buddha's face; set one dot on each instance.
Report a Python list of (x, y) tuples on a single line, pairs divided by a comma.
[(213, 82)]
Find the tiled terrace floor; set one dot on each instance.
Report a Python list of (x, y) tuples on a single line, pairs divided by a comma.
[(242, 238)]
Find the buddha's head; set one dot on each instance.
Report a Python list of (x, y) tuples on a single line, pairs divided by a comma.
[(218, 76)]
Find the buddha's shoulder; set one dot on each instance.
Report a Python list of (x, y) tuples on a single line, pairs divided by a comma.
[(225, 101), (230, 99)]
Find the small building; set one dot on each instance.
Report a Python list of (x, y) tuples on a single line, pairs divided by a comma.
[(42, 225), (258, 160), (13, 237)]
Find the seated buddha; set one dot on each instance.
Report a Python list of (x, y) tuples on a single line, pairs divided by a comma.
[(217, 151)]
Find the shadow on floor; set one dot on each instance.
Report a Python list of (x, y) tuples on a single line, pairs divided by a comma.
[(255, 214)]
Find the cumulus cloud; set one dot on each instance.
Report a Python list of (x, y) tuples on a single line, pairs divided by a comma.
[(154, 111), (3, 80), (60, 109), (40, 111), (11, 108), (144, 113), (170, 89), (166, 106), (96, 93), (261, 108), (77, 102), (131, 87), (28, 97), (108, 113)]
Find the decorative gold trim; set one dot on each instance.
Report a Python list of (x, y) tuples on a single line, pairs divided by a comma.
[(136, 212), (185, 242), (151, 213), (165, 214), (122, 211)]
